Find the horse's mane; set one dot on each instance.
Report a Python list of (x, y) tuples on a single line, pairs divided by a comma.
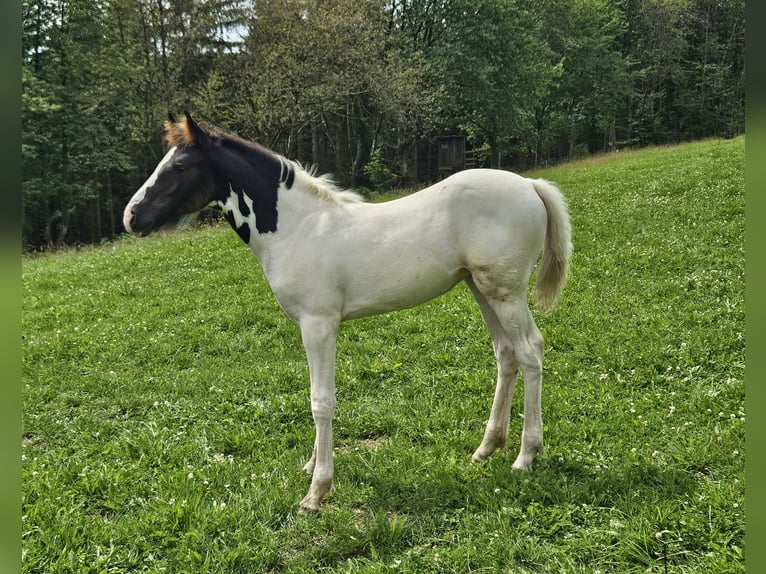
[(322, 186)]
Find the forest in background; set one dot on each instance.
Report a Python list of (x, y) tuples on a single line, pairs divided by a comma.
[(360, 88)]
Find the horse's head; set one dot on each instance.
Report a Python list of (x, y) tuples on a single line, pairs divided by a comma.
[(182, 183)]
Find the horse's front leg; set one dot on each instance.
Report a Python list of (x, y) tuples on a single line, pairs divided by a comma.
[(319, 335)]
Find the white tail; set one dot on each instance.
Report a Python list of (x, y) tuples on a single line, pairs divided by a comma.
[(551, 275)]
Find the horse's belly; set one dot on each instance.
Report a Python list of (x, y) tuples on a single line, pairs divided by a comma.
[(382, 290)]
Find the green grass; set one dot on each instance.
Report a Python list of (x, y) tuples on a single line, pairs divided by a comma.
[(167, 417)]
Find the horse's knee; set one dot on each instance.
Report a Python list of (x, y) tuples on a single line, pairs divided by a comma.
[(323, 408), (530, 352), (506, 358)]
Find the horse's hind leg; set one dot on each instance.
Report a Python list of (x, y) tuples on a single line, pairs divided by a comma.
[(512, 314), (532, 368), (507, 370)]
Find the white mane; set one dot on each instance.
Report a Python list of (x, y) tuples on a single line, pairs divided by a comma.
[(323, 186)]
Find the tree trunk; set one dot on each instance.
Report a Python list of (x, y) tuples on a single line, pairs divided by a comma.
[(339, 131), (110, 204), (97, 234), (314, 142)]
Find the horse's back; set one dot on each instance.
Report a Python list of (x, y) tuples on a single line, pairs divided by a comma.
[(475, 210), (475, 195), (482, 220), (379, 257)]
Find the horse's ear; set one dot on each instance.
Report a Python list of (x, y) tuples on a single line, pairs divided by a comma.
[(173, 136), (194, 133)]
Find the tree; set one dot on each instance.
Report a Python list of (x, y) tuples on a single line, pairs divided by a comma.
[(495, 68), (346, 84), (313, 70), (710, 97), (406, 110), (65, 148), (687, 68), (656, 42), (580, 111)]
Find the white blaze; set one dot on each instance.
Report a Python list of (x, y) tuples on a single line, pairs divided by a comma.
[(127, 215)]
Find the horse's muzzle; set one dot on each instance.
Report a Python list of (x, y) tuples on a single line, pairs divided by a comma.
[(141, 227)]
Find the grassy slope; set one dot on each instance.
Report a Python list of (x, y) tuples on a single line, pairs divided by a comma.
[(166, 411)]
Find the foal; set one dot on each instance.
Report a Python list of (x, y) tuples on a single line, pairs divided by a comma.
[(329, 257)]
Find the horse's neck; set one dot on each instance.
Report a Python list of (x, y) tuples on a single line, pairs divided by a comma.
[(266, 214)]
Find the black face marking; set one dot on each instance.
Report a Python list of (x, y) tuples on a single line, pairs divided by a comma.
[(207, 167), (183, 185)]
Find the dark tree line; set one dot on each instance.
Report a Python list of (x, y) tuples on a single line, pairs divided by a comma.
[(362, 88)]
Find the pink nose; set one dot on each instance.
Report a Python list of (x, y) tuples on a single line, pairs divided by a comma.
[(127, 219)]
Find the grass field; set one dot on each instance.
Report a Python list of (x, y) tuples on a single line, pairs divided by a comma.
[(167, 417)]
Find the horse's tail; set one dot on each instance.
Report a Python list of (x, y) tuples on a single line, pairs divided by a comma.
[(552, 272)]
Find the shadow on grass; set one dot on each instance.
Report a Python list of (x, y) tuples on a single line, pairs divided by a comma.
[(494, 484), (388, 506)]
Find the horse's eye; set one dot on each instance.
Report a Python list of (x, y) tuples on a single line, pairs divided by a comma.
[(178, 168)]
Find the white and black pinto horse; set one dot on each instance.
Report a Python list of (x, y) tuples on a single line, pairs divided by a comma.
[(330, 257)]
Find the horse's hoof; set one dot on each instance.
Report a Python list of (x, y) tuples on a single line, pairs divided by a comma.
[(308, 506), (522, 464), (479, 457), (486, 449)]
